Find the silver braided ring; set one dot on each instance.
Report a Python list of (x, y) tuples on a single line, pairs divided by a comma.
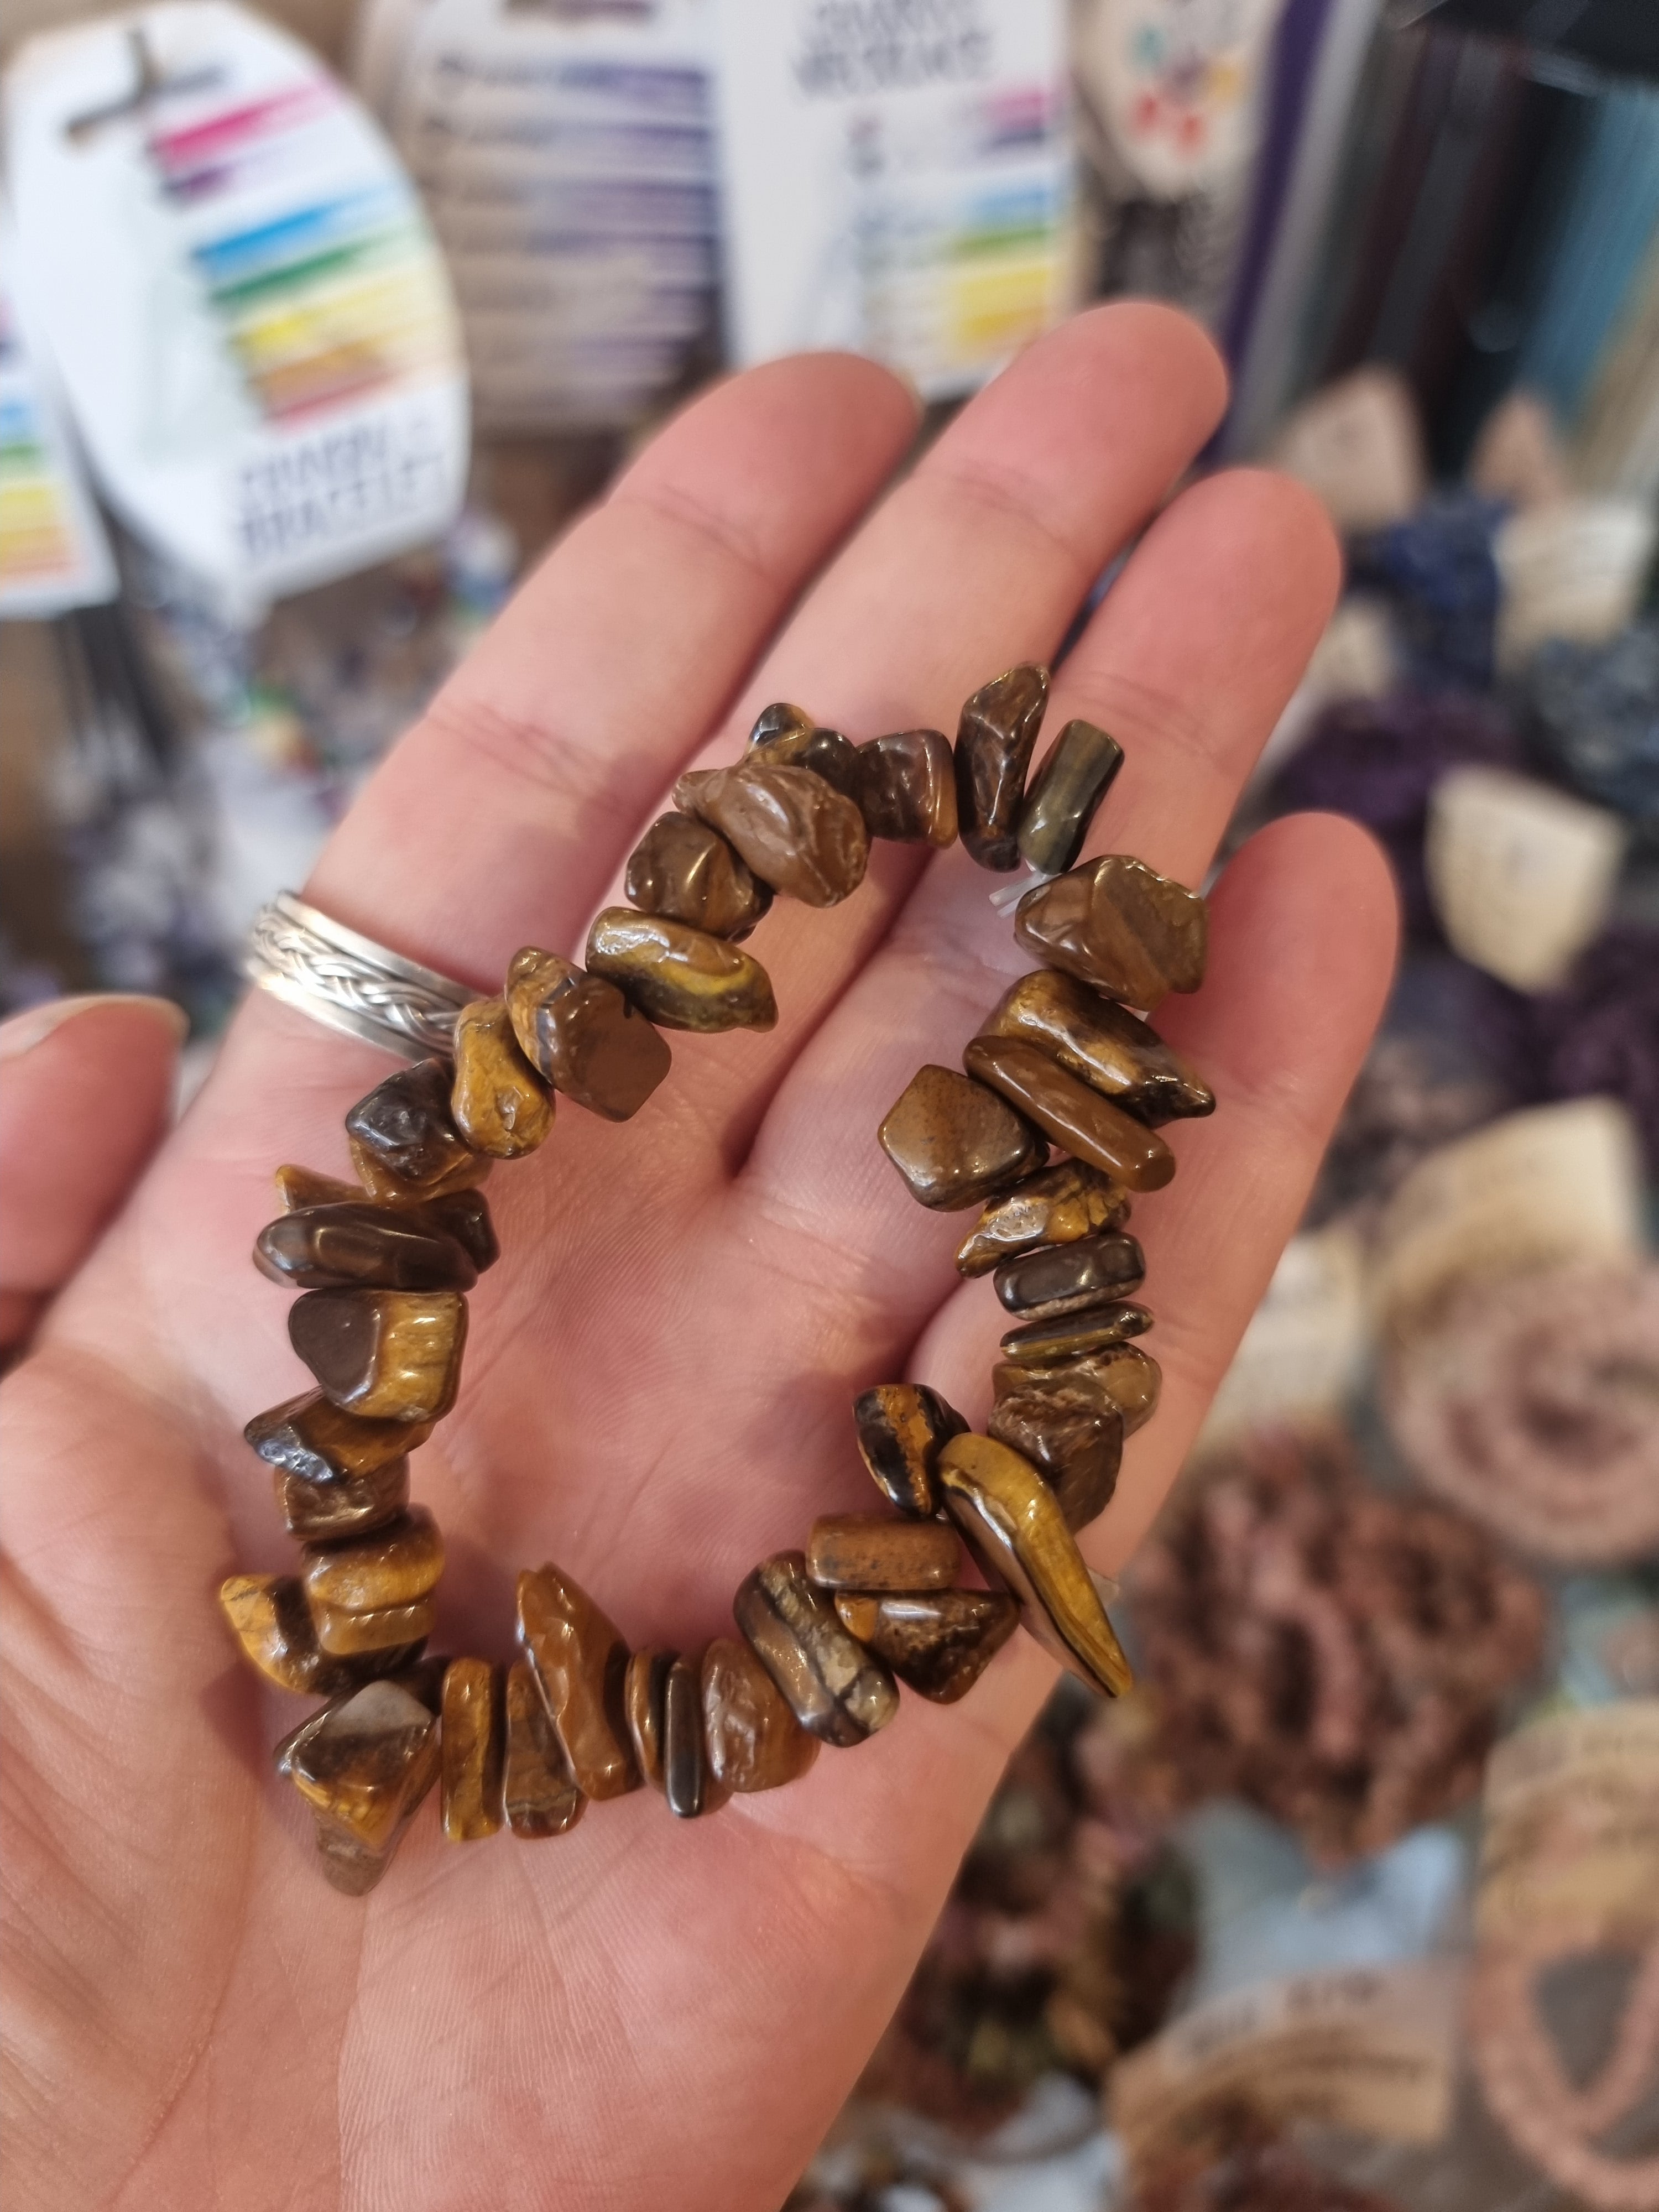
[(351, 983)]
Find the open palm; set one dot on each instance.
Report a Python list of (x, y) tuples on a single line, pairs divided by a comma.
[(660, 1374)]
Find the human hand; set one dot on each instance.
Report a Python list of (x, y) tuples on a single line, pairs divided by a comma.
[(660, 1374)]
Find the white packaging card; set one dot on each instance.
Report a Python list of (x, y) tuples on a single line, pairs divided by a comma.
[(1574, 568), (1521, 875), (1305, 1346), (248, 312), (898, 181)]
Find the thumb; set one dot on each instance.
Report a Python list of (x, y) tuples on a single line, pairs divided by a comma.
[(86, 1090)]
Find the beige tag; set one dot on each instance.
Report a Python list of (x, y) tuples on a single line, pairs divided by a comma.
[(1552, 1184), (1573, 569), (1305, 1342), (1370, 2049), (1571, 1833), (1521, 875), (1357, 445), (1518, 455)]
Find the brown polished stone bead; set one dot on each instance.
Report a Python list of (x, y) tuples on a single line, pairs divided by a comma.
[(496, 1100), (394, 1566), (687, 1784), (777, 720), (311, 1437), (754, 1740), (403, 1142), (643, 1685), (297, 1186), (1076, 1447), (797, 832), (1013, 1524), (474, 1715), (271, 1622), (581, 1034), (1121, 1376), (388, 1355), (1063, 1278), (324, 1248), (901, 1426), (579, 1661), (1056, 1206), (681, 976), (955, 1142), (940, 1642), (872, 1552), (464, 1215), (825, 752), (1118, 925), (683, 869), (1060, 802), (834, 1687), (1074, 1335), (317, 1512), (363, 1766), (1077, 1118), (539, 1796), (909, 788), (1112, 1051), (994, 738), (346, 1634)]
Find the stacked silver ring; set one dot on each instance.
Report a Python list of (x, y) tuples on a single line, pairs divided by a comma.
[(350, 982)]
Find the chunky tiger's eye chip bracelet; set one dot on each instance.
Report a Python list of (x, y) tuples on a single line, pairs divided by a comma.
[(824, 1634)]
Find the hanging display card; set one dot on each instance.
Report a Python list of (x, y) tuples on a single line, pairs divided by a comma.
[(249, 315), (897, 181)]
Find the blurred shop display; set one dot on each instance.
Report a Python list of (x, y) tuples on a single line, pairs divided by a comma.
[(566, 159), (241, 296), (897, 179)]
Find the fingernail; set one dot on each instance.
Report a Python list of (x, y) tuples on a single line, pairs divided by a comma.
[(36, 1023)]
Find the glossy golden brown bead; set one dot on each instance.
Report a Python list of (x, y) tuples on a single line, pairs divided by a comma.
[(539, 1796), (940, 1642), (909, 788), (361, 1246), (832, 1684), (348, 1634), (683, 869), (297, 1186), (319, 1512), (1117, 925), (797, 833), (1102, 1045), (473, 1713), (825, 752), (1074, 1336), (1063, 1278), (900, 1427), (1076, 1445), (874, 1552), (496, 1100), (1062, 797), (994, 740), (403, 1141), (1070, 1113), (644, 1683), (363, 1766), (687, 1784), (580, 1663), (311, 1437), (681, 976), (393, 1566), (1056, 1206), (272, 1624), (955, 1142), (388, 1355), (1121, 1376), (754, 1740), (583, 1036)]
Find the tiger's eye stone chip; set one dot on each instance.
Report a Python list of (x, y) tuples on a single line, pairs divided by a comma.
[(580, 1664), (1077, 1447), (323, 1248), (777, 720), (832, 1684), (495, 1101), (1109, 1049), (869, 1551), (797, 832), (1077, 1118), (909, 787), (1064, 794), (363, 1766), (1074, 1335), (683, 869), (297, 1186), (754, 1740), (464, 1215), (346, 1634), (825, 752), (311, 1437), (1064, 1278), (686, 1781), (901, 1426), (994, 738), (1121, 1376), (1013, 1523), (1055, 1207), (388, 1355), (394, 1566), (1118, 925), (955, 1142), (681, 976), (317, 1512), (539, 1796), (403, 1142), (940, 1642), (582, 1035), (473, 1711), (643, 1686), (271, 1622)]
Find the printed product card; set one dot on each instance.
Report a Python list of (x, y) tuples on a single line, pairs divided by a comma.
[(1177, 84), (53, 552), (897, 180), (1370, 2049), (250, 317), (1305, 1345), (567, 167), (1571, 1831)]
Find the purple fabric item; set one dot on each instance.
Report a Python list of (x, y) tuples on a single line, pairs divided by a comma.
[(1296, 46)]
